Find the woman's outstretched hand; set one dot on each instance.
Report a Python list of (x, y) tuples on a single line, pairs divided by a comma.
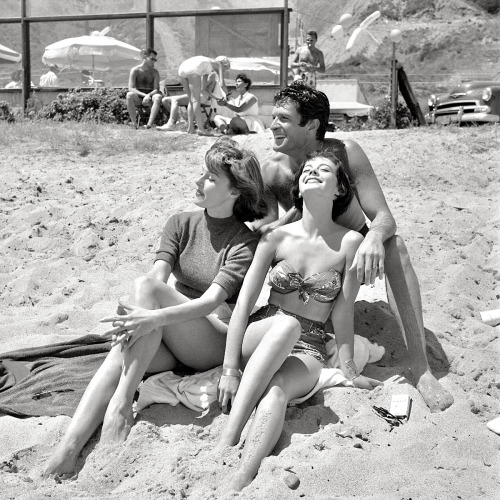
[(363, 382), (133, 324), (228, 386)]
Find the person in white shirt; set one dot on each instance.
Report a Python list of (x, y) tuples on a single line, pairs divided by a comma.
[(50, 78), (245, 111)]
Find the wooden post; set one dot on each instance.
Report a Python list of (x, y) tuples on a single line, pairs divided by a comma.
[(285, 19), (150, 32), (394, 88), (409, 96), (26, 63)]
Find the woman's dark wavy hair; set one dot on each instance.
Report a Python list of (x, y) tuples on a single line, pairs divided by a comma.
[(346, 193), (311, 104), (244, 78), (243, 171)]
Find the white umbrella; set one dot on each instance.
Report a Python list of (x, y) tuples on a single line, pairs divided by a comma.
[(94, 52), (9, 55)]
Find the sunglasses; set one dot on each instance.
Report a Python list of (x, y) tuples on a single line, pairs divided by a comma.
[(392, 420)]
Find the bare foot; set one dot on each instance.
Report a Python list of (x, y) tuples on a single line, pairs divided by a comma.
[(62, 465), (117, 424), (238, 482), (204, 133), (436, 397), (166, 128)]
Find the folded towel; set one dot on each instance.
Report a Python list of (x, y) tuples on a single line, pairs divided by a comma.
[(49, 380), (198, 391)]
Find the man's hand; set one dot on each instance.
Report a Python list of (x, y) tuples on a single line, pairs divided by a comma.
[(363, 382), (146, 99), (369, 259)]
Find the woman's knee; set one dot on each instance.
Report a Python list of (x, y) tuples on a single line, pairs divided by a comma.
[(285, 328), (146, 287)]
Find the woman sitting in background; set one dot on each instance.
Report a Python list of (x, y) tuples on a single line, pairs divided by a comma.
[(245, 108)]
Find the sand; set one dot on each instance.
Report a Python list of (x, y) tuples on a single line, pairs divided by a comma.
[(75, 230)]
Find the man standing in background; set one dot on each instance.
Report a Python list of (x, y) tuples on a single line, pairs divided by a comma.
[(308, 60)]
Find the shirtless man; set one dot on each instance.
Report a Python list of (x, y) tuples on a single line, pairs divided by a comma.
[(307, 60), (144, 88), (299, 127)]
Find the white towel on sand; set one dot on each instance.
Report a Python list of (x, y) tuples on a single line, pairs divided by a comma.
[(198, 391)]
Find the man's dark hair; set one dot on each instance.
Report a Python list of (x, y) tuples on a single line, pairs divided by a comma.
[(313, 33), (244, 78), (311, 104), (149, 52)]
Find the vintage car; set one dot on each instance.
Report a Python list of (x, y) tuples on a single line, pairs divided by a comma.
[(468, 102)]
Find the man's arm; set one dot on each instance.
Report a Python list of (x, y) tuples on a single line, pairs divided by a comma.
[(295, 65), (369, 259), (321, 62)]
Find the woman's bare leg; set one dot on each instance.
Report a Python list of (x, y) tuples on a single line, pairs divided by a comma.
[(88, 416), (199, 344), (266, 345), (195, 91), (111, 390), (296, 377), (187, 89)]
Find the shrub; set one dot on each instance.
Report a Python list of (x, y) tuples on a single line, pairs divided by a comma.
[(6, 113), (100, 105), (380, 118)]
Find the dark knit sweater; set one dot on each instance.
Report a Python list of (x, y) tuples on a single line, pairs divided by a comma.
[(202, 250)]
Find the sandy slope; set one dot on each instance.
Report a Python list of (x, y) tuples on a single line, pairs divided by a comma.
[(75, 230)]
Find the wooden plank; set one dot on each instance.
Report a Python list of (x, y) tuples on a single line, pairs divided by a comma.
[(409, 96)]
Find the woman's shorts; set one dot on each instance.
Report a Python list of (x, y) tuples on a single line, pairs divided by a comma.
[(313, 338)]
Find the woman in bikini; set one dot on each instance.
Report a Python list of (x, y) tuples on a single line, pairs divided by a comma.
[(193, 75), (283, 350), (209, 252)]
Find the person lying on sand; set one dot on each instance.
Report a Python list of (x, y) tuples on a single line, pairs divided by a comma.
[(299, 126), (283, 349), (209, 252)]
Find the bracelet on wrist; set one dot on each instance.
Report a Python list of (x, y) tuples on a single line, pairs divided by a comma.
[(231, 372), (351, 371)]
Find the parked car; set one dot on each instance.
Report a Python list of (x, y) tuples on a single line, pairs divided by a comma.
[(468, 102)]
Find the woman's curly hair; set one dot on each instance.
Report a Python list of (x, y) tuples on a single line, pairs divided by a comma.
[(346, 193), (243, 171)]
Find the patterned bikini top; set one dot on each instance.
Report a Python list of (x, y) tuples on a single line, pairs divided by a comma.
[(322, 287)]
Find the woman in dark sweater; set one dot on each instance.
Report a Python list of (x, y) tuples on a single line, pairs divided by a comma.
[(209, 252)]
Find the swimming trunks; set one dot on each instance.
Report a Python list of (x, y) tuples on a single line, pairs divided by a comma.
[(313, 338), (322, 287)]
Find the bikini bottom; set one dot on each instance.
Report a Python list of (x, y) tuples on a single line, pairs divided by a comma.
[(313, 338)]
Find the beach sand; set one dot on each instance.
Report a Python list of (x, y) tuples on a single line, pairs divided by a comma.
[(79, 223)]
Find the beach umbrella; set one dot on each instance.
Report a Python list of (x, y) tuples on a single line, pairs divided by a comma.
[(94, 52), (8, 55)]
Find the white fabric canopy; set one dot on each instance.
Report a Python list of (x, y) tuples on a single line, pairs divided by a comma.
[(9, 55), (91, 52)]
